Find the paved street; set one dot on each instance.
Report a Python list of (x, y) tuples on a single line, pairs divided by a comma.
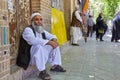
[(93, 60)]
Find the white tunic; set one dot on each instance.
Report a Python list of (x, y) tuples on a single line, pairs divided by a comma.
[(77, 14), (40, 52), (76, 34), (75, 31)]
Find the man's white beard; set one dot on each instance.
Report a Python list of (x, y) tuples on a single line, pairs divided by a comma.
[(37, 28)]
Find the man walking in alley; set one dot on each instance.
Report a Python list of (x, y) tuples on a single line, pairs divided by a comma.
[(43, 48), (90, 24), (76, 27)]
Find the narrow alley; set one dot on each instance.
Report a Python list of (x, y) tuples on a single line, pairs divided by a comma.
[(93, 60)]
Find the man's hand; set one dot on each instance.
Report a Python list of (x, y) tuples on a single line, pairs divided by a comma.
[(54, 44), (55, 40)]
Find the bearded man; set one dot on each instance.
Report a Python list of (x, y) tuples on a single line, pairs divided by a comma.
[(44, 47)]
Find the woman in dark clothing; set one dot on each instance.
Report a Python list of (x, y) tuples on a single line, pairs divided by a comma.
[(116, 28), (100, 27)]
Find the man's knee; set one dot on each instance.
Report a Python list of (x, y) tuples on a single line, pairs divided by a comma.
[(36, 47)]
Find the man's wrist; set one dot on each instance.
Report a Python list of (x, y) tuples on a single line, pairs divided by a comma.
[(54, 39)]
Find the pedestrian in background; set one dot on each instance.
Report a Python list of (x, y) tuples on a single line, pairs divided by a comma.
[(116, 28), (90, 24), (100, 27), (76, 27)]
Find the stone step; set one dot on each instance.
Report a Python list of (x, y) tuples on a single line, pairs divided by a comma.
[(15, 73)]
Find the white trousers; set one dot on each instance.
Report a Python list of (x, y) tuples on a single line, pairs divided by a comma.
[(76, 34), (40, 55)]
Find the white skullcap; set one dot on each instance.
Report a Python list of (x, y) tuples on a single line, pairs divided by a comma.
[(34, 14)]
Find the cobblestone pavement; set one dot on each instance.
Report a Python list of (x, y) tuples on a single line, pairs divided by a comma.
[(93, 60)]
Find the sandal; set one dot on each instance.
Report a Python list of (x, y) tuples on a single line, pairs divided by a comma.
[(44, 75), (58, 68)]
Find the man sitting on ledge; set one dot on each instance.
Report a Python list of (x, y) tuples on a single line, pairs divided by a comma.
[(44, 47)]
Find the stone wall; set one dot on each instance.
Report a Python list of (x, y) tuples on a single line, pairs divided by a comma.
[(45, 10), (67, 14), (19, 18), (4, 42)]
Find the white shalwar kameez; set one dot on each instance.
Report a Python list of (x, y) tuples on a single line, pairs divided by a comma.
[(75, 31), (40, 52)]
